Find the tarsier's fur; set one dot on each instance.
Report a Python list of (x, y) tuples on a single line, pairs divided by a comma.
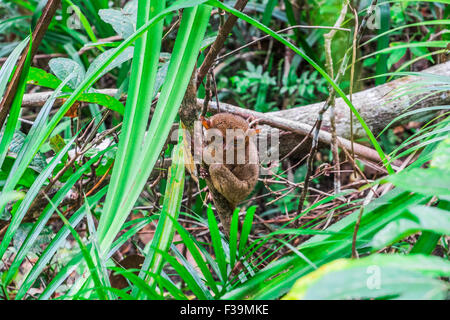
[(233, 180)]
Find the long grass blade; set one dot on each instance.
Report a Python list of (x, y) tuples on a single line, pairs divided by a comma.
[(165, 230), (55, 244), (14, 112), (181, 65)]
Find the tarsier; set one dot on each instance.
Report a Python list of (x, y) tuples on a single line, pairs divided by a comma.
[(235, 176)]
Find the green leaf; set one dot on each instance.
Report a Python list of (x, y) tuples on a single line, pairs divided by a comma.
[(7, 197), (124, 56), (441, 156), (419, 218), (279, 276), (57, 143), (42, 78), (133, 175), (93, 268), (42, 240), (65, 271), (394, 58), (11, 123), (189, 276), (431, 181), (217, 243), (31, 144), (102, 99), (123, 21), (190, 244), (63, 67), (136, 156), (165, 229), (383, 41), (376, 276), (246, 228), (418, 24), (425, 44), (420, 51), (57, 242), (234, 230), (84, 21), (147, 291), (8, 66), (46, 215)]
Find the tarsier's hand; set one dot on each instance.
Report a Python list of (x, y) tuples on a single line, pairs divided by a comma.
[(234, 179)]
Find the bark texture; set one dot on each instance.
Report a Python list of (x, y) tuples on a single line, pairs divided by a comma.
[(376, 105)]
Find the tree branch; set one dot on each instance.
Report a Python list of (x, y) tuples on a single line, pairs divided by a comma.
[(219, 42), (38, 35), (375, 105)]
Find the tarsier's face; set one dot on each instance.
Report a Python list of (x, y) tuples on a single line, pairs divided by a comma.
[(232, 156), (227, 140)]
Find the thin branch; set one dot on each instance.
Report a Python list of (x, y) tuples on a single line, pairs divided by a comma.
[(330, 101), (40, 56), (334, 146), (358, 221), (352, 74), (224, 31), (270, 119), (295, 127)]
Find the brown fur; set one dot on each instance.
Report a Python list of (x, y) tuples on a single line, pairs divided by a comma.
[(234, 181)]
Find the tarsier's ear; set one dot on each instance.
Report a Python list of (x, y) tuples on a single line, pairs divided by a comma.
[(205, 122)]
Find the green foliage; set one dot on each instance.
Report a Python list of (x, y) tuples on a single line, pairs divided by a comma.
[(376, 277), (122, 21), (13, 118), (172, 202), (43, 159), (253, 86), (305, 88)]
